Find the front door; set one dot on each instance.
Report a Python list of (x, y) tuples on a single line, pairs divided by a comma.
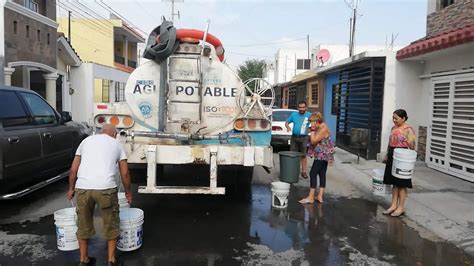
[(56, 138), (20, 144), (450, 145)]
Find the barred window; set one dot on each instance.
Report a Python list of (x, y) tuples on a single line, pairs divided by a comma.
[(119, 91), (315, 94), (105, 91), (335, 99)]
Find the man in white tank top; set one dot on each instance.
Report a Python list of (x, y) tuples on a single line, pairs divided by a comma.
[(92, 179)]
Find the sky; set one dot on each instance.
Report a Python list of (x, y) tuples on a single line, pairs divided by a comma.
[(256, 29)]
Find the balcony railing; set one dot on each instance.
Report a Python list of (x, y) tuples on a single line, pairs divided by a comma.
[(132, 64), (119, 59)]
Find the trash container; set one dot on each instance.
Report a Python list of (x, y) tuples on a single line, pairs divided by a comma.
[(290, 166)]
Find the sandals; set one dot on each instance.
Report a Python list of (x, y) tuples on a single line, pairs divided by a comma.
[(304, 175), (306, 201), (387, 212), (397, 214)]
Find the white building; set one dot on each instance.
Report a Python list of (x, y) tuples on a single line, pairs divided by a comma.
[(94, 84), (291, 62), (443, 62)]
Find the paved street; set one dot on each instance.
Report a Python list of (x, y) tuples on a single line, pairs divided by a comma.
[(237, 230)]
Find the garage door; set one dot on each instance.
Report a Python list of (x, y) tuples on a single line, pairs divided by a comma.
[(451, 134)]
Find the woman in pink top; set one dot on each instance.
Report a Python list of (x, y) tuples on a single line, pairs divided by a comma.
[(402, 136), (321, 148)]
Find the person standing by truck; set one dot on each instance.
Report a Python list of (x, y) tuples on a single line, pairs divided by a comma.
[(299, 136), (92, 179)]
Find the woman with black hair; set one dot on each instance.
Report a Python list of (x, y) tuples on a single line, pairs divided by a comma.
[(402, 136)]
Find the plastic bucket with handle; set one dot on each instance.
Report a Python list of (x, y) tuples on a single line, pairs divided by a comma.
[(378, 187), (131, 229), (280, 191), (403, 163), (66, 228)]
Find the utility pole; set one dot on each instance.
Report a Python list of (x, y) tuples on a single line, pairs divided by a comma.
[(69, 26), (172, 8), (307, 39), (353, 26)]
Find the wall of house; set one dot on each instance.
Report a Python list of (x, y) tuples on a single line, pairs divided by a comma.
[(454, 16), (286, 63), (66, 97), (92, 40), (403, 89), (456, 58), (331, 120), (341, 51), (83, 80), (45, 7), (19, 47), (82, 99)]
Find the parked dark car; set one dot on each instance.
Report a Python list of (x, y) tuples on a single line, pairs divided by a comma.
[(37, 144)]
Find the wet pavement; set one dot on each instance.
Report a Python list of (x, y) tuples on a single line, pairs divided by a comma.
[(233, 230)]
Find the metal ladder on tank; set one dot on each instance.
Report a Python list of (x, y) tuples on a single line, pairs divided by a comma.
[(151, 154)]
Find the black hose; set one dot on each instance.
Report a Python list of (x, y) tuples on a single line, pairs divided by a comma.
[(158, 52)]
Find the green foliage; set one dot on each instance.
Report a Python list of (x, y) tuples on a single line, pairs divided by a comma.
[(252, 68)]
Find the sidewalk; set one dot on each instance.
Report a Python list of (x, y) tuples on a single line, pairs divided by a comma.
[(439, 202)]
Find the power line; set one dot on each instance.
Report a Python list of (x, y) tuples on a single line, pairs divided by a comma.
[(146, 11), (227, 52), (107, 7), (267, 43), (97, 14), (96, 26), (103, 27)]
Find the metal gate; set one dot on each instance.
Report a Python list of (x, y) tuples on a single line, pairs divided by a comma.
[(451, 132)]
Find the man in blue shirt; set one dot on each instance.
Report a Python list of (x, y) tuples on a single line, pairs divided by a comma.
[(299, 136)]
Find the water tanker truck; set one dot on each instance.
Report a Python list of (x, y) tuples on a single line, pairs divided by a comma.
[(185, 105)]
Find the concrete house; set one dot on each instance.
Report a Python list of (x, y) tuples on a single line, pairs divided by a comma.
[(30, 50), (108, 49), (443, 61)]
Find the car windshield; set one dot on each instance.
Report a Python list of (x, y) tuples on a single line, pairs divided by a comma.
[(281, 115)]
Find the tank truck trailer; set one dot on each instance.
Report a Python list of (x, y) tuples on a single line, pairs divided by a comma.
[(186, 106)]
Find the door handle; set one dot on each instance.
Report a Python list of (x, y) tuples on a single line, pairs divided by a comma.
[(47, 135), (13, 140)]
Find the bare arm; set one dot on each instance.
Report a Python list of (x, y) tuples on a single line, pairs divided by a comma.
[(287, 126), (125, 174), (73, 176), (316, 137)]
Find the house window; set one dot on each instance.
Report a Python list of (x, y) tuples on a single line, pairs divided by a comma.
[(314, 90), (303, 63), (38, 35), (27, 31), (105, 91), (48, 36), (15, 27), (31, 5), (119, 92), (335, 99), (445, 3)]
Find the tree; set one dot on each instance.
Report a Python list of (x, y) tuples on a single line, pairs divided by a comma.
[(252, 68)]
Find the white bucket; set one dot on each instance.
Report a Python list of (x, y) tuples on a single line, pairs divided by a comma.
[(403, 163), (280, 191), (378, 187), (131, 229), (122, 200), (66, 228)]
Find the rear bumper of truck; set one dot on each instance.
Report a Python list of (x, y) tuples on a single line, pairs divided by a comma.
[(201, 154), (213, 155)]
